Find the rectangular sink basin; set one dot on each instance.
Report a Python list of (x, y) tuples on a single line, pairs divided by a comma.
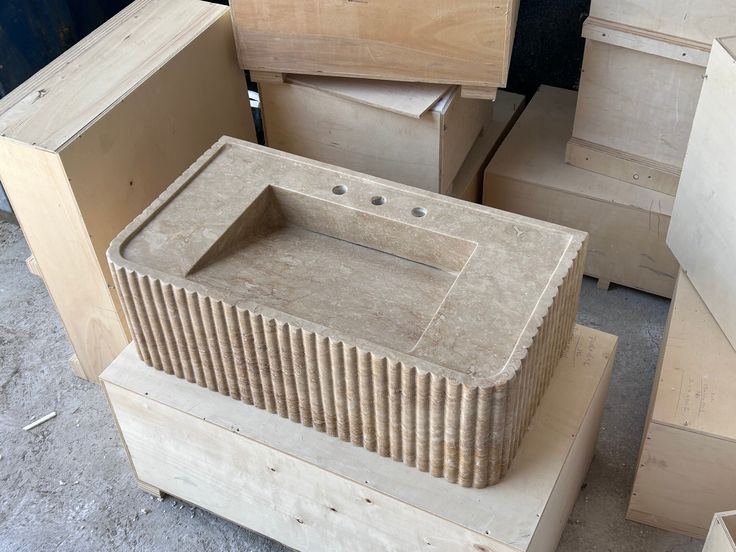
[(415, 325)]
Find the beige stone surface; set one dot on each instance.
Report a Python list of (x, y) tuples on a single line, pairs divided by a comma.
[(319, 294)]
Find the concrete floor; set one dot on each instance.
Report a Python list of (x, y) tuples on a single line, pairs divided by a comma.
[(67, 486)]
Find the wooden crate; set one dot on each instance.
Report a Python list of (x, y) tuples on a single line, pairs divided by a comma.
[(627, 224), (722, 534), (637, 99), (464, 43), (416, 134), (703, 232), (468, 183), (94, 137), (686, 468), (316, 493)]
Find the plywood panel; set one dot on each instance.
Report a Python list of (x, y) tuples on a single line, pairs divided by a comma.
[(466, 43), (703, 233), (49, 216)]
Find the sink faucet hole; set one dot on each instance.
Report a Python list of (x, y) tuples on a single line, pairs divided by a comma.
[(419, 212), (340, 190), (378, 200)]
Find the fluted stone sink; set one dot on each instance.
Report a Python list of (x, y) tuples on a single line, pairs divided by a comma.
[(412, 324)]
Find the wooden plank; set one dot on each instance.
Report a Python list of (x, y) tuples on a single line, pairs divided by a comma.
[(648, 42), (636, 109), (699, 21), (77, 175), (703, 233), (468, 183), (686, 473), (33, 267), (466, 43), (627, 224), (620, 165), (479, 92), (268, 76), (722, 533), (316, 493)]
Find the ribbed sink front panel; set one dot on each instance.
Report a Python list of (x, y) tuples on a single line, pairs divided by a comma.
[(466, 434)]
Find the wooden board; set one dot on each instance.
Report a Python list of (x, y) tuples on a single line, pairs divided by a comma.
[(32, 266), (94, 137), (627, 223), (315, 493), (468, 183), (414, 134), (635, 109), (722, 534), (686, 470), (467, 43), (703, 233), (694, 20)]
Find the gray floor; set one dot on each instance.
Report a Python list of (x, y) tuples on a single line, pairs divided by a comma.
[(66, 485)]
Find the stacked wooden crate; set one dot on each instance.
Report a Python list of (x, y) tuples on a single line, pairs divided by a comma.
[(625, 140), (349, 85), (686, 470)]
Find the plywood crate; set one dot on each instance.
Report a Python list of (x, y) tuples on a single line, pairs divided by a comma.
[(627, 223), (687, 471), (722, 534), (416, 134), (312, 492), (637, 99), (703, 232), (468, 183), (94, 137), (464, 43)]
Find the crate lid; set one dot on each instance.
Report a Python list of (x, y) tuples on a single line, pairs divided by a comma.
[(412, 99)]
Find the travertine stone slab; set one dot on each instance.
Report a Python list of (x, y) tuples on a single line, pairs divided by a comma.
[(321, 295)]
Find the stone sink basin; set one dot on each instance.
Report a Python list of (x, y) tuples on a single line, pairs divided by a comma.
[(418, 326)]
